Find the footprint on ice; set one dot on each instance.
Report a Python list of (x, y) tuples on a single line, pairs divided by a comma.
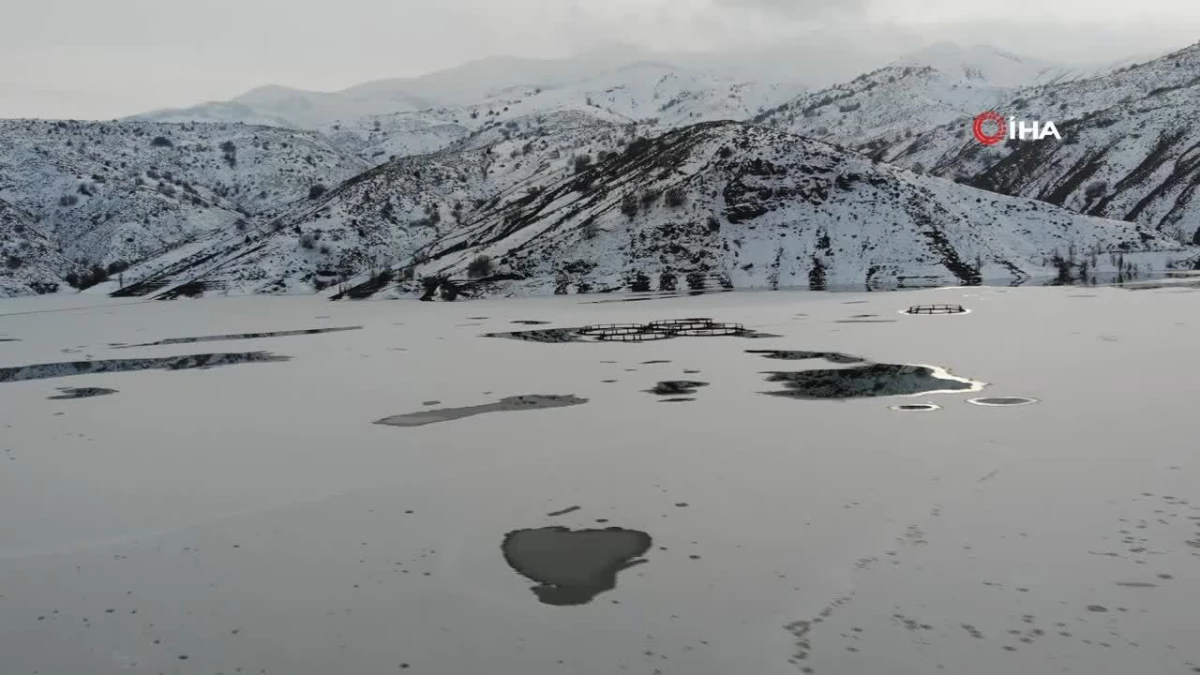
[(573, 567), (527, 402)]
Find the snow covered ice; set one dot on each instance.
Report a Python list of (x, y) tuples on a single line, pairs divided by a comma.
[(251, 518)]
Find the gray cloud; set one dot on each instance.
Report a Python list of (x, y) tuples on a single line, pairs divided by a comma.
[(82, 58), (813, 10)]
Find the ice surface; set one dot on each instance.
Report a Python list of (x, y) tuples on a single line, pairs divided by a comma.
[(251, 517)]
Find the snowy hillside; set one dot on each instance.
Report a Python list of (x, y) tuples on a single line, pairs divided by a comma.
[(1129, 149), (648, 92), (30, 261), (120, 191), (293, 108), (382, 217), (471, 84), (986, 64), (885, 107), (711, 204)]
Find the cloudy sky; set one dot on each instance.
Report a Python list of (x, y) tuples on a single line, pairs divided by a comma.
[(107, 58)]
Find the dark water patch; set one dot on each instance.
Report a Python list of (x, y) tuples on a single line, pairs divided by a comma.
[(999, 401), (531, 322), (676, 387), (677, 400), (609, 381), (872, 380), (651, 363), (691, 372), (573, 567), (466, 325), (512, 403), (9, 340), (634, 332), (478, 318), (856, 302), (42, 371), (241, 336), (431, 403), (916, 407), (69, 393), (569, 509), (794, 355), (548, 336)]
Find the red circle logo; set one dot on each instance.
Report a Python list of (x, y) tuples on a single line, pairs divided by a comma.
[(996, 136)]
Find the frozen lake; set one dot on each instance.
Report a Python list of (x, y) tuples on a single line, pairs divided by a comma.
[(532, 508)]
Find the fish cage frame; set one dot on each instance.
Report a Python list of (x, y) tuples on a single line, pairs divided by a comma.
[(932, 310)]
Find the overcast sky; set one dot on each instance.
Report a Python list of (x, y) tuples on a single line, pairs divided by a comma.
[(107, 58)]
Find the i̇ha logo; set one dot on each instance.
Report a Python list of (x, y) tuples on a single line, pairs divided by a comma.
[(991, 127)]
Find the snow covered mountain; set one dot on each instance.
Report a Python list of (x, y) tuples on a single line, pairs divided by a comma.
[(30, 262), (750, 207), (645, 92), (123, 191), (476, 84), (1131, 147), (541, 179), (718, 203), (986, 64), (886, 107), (382, 217)]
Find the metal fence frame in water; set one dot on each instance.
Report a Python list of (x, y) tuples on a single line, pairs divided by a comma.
[(711, 330), (936, 309), (660, 330), (602, 329)]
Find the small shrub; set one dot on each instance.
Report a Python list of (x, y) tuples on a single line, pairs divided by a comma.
[(480, 267), (117, 267), (316, 191), (162, 142), (629, 205), (13, 262), (639, 146), (1096, 189), (676, 197), (68, 200), (582, 162)]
